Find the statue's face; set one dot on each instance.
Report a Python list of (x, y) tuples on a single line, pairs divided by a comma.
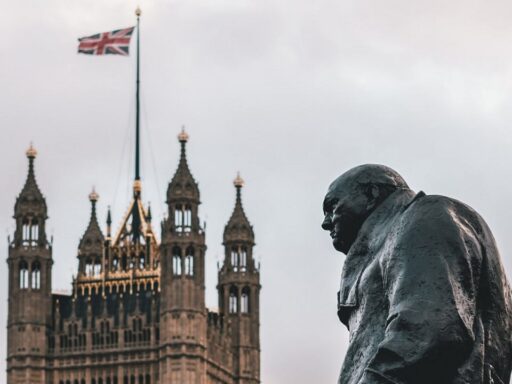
[(345, 210)]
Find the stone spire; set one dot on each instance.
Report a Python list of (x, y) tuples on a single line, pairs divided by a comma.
[(183, 186), (238, 227), (30, 200), (92, 240)]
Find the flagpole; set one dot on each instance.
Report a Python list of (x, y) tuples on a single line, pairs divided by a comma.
[(137, 107)]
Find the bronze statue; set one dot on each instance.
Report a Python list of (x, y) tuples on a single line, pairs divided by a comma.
[(423, 290)]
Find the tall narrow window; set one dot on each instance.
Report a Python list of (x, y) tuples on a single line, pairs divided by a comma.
[(176, 261), (234, 258), (115, 263), (25, 232), (233, 300), (34, 232), (97, 267), (23, 275), (187, 218), (88, 267), (189, 262), (243, 259), (29, 232), (244, 300), (36, 275), (178, 218)]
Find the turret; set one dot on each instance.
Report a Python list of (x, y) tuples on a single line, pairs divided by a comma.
[(239, 291), (30, 281), (90, 249), (183, 313), (183, 195)]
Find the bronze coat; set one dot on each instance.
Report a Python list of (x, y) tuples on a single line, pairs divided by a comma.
[(425, 297)]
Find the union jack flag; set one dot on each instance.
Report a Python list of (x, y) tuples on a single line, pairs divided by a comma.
[(107, 43)]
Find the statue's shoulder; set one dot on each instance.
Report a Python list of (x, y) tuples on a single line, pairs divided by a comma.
[(439, 212)]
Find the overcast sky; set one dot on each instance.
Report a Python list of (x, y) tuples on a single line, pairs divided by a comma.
[(291, 93)]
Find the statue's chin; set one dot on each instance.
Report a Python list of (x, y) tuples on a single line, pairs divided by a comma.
[(340, 245)]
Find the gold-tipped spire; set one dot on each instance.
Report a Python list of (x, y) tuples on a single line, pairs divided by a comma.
[(31, 152), (93, 196), (137, 186), (183, 136), (238, 182), (138, 12)]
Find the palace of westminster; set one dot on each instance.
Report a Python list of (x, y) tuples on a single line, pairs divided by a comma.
[(136, 313)]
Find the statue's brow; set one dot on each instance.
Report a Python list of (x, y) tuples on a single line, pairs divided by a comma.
[(328, 204)]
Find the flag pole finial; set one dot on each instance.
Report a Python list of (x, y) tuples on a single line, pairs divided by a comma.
[(138, 12)]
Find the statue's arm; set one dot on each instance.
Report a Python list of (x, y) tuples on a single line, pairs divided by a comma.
[(430, 281)]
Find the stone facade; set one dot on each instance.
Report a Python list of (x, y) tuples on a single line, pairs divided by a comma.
[(137, 313)]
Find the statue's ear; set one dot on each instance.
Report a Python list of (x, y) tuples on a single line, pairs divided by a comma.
[(373, 194)]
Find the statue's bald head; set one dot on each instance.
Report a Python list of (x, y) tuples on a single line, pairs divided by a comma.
[(362, 176), (353, 196)]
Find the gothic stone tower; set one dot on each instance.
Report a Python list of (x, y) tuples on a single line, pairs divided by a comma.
[(30, 268), (183, 312), (239, 287), (136, 312)]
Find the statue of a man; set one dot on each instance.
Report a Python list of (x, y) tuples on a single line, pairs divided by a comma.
[(423, 291)]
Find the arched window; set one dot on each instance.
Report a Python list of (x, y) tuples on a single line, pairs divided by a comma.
[(234, 258), (243, 259), (23, 275), (176, 261), (187, 218), (244, 300), (124, 262), (29, 232), (36, 275), (183, 218), (178, 218), (25, 232), (189, 262), (97, 267), (34, 232), (115, 263), (89, 270), (233, 300)]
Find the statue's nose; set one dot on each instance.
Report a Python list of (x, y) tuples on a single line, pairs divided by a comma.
[(327, 223)]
